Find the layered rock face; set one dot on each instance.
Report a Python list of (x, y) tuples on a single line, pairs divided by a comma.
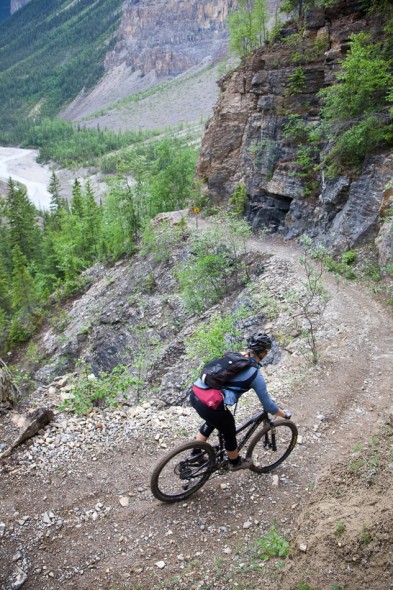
[(170, 36), (245, 140)]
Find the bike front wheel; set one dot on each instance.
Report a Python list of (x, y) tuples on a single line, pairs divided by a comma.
[(272, 445), (183, 471)]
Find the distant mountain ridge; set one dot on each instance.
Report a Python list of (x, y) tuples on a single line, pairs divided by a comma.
[(72, 59), (49, 51), (157, 41), (54, 52)]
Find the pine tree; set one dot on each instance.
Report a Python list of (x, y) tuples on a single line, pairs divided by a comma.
[(23, 287), (77, 200), (5, 303), (57, 202), (91, 223), (21, 215)]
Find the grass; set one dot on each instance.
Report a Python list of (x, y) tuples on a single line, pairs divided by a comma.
[(340, 528), (365, 536)]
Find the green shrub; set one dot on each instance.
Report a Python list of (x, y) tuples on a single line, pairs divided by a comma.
[(349, 257), (340, 268), (214, 265), (340, 528), (365, 536), (238, 199), (352, 145), (351, 107), (273, 545), (215, 338), (107, 389), (296, 82)]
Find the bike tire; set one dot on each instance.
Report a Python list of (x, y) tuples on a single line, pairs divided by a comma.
[(260, 449), (176, 476)]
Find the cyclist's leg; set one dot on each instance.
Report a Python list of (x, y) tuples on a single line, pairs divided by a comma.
[(207, 428), (222, 419)]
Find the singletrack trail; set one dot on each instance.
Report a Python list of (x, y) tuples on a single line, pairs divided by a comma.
[(94, 524)]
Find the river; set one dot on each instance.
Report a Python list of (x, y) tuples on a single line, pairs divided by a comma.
[(21, 165)]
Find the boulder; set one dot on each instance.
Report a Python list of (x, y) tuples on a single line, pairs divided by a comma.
[(33, 422)]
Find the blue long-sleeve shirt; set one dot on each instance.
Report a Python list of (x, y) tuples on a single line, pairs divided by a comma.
[(234, 389)]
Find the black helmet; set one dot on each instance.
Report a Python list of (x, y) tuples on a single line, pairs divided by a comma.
[(258, 342)]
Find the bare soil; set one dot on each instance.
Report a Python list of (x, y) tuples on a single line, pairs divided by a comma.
[(333, 501)]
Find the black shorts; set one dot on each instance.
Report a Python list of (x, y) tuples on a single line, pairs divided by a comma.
[(221, 418)]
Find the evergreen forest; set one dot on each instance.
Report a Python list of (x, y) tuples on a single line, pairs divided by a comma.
[(43, 253)]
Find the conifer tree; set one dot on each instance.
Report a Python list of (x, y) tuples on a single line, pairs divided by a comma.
[(23, 287), (56, 201), (77, 208), (21, 215), (91, 223), (5, 303)]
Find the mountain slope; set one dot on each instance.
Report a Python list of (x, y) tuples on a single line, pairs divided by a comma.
[(157, 41), (49, 51), (53, 52)]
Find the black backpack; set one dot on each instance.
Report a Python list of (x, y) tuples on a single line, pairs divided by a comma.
[(218, 371)]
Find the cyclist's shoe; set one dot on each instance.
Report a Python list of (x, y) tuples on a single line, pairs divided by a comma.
[(242, 464)]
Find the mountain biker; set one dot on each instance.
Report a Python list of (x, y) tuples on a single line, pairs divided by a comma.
[(258, 346)]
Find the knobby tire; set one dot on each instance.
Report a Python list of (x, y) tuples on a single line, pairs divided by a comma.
[(176, 476), (260, 450)]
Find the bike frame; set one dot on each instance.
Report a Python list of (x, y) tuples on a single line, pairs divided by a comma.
[(252, 424)]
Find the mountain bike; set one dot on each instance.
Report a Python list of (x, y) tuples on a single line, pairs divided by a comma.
[(184, 470)]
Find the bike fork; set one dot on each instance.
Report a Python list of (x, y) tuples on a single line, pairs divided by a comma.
[(271, 443)]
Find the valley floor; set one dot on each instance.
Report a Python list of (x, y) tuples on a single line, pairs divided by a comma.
[(21, 166)]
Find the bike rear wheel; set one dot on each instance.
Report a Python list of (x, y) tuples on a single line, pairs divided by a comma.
[(272, 445), (181, 473)]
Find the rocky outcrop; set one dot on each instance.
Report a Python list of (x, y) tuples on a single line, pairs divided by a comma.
[(132, 314), (170, 37), (245, 141), (9, 391)]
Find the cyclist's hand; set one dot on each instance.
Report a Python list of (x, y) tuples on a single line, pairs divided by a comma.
[(288, 414)]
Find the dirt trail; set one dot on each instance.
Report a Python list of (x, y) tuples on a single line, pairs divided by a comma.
[(207, 542)]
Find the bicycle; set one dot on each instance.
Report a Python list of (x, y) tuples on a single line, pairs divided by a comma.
[(183, 471)]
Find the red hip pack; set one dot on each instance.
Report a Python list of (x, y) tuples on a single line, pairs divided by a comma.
[(210, 397)]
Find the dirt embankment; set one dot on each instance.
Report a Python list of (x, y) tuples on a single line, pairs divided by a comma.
[(77, 511)]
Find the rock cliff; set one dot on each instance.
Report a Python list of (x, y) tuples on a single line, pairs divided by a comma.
[(157, 41), (245, 143), (170, 37)]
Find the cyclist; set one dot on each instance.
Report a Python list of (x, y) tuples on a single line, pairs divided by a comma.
[(258, 346)]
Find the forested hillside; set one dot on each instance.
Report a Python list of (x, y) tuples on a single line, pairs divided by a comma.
[(49, 51), (43, 252)]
